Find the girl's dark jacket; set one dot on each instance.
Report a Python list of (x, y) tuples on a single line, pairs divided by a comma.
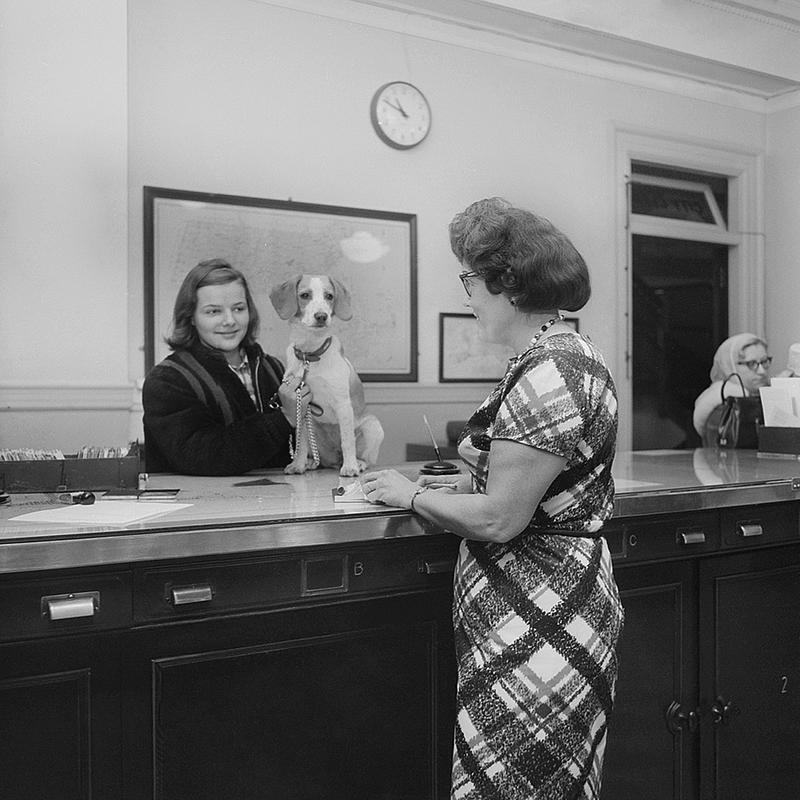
[(200, 420)]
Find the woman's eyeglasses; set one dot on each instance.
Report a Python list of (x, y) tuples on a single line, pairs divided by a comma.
[(465, 280), (754, 365)]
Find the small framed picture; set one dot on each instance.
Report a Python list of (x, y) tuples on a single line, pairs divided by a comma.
[(463, 356)]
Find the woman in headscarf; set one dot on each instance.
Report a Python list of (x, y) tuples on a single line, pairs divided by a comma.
[(744, 354)]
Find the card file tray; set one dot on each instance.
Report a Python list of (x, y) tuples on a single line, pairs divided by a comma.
[(70, 474)]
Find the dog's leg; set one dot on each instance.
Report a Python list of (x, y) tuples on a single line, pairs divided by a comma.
[(347, 432), (369, 437)]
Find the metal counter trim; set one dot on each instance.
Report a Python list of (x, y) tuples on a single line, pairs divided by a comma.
[(676, 501), (138, 546)]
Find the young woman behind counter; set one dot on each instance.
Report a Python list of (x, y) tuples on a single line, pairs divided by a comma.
[(217, 405)]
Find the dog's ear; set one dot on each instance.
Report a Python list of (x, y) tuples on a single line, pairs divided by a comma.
[(284, 298), (341, 300)]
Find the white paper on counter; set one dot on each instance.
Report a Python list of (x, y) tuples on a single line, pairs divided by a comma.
[(781, 403), (118, 512)]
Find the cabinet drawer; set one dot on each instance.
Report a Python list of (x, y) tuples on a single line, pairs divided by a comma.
[(753, 526), (220, 587), (651, 538), (217, 587), (401, 565), (70, 604)]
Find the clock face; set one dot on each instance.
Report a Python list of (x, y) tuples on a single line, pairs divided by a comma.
[(400, 115)]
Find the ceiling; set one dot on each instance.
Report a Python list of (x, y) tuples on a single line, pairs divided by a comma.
[(748, 47)]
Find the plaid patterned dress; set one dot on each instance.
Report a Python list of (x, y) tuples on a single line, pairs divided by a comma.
[(537, 619)]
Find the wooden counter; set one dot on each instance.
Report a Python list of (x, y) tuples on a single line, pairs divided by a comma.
[(265, 641), (268, 510)]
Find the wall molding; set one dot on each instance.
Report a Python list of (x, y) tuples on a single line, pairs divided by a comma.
[(783, 14), (515, 34), (92, 397), (784, 102), (72, 397)]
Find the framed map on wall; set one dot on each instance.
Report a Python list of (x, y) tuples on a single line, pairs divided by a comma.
[(374, 253)]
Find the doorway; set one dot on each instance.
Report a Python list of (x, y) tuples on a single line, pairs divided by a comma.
[(680, 316), (704, 197), (679, 285)]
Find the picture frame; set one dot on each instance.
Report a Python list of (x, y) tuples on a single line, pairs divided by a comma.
[(374, 253), (463, 356)]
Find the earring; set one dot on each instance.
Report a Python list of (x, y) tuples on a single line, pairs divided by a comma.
[(512, 300)]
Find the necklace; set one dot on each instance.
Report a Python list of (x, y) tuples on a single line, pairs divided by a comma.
[(536, 336)]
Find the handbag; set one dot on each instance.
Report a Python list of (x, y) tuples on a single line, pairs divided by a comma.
[(740, 415)]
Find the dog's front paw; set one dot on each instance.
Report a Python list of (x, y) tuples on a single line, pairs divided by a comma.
[(352, 469), (294, 468)]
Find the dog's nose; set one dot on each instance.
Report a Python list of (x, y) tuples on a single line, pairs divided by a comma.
[(321, 316)]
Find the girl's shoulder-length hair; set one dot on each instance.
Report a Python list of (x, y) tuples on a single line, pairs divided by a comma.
[(213, 272)]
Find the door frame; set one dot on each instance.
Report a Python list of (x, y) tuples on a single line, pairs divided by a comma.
[(746, 304)]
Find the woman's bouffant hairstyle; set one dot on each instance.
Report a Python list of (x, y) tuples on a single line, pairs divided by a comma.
[(521, 255), (214, 272)]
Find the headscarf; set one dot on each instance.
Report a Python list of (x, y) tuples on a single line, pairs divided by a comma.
[(729, 354), (726, 359)]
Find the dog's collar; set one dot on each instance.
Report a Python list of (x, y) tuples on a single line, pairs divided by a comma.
[(315, 355)]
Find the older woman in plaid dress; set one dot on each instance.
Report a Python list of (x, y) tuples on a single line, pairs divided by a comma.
[(536, 610)]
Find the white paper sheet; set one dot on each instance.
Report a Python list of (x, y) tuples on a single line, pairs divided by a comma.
[(781, 403), (117, 512)]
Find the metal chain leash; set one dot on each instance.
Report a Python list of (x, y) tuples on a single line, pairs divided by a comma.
[(312, 437)]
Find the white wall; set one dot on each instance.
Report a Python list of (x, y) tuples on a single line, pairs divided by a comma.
[(783, 233), (63, 218), (253, 99)]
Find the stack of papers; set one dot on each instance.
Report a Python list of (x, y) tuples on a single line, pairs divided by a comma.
[(120, 512), (781, 403)]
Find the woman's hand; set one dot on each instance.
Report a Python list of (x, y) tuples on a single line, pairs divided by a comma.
[(388, 486), (287, 394)]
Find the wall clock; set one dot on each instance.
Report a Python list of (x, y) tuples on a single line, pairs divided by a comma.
[(400, 115)]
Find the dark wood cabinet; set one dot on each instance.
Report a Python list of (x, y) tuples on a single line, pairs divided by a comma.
[(708, 695), (750, 675), (60, 684), (329, 671), (329, 700), (658, 669), (60, 724)]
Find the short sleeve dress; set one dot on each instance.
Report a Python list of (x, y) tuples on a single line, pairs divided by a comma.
[(537, 619)]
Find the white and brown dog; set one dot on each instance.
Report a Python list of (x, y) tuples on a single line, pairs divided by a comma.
[(346, 436)]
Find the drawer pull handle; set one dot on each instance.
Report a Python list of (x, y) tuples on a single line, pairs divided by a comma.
[(748, 529), (693, 537), (70, 606), (436, 567), (184, 595)]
